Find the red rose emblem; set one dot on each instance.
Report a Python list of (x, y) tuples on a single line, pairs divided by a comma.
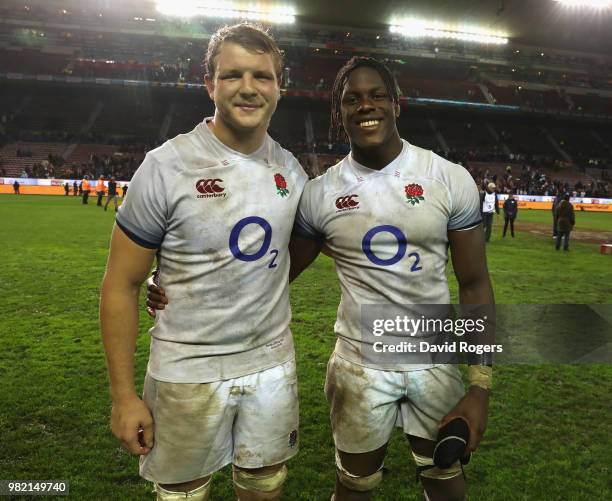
[(414, 193), (281, 185), (414, 190), (280, 181)]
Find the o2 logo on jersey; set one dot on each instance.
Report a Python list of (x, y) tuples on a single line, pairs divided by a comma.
[(402, 246), (347, 203), (263, 250), (210, 188)]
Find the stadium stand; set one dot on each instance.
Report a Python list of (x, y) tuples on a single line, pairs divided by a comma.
[(462, 135), (103, 89), (32, 159), (418, 130)]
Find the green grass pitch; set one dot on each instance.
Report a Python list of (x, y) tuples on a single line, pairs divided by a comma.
[(549, 435)]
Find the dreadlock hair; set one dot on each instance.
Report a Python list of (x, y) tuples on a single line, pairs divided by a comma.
[(336, 130)]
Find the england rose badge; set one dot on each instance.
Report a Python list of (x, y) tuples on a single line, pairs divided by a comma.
[(281, 185), (414, 193)]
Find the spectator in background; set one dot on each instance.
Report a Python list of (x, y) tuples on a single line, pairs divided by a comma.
[(556, 201), (75, 188), (100, 190), (566, 220), (67, 188), (510, 212), (124, 189), (81, 188), (489, 205), (16, 187), (85, 189), (112, 193)]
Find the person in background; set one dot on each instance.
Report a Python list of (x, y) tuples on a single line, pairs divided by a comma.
[(100, 190), (566, 219), (75, 188), (510, 212), (66, 188), (489, 205), (84, 188), (556, 201), (124, 189), (112, 193), (16, 187)]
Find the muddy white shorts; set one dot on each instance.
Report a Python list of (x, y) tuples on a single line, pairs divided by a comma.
[(366, 404), (250, 421)]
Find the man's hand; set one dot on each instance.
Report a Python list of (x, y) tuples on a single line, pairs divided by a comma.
[(474, 408), (156, 297), (132, 424)]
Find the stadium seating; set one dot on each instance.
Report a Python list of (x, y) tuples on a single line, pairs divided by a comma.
[(83, 152), (23, 60), (525, 138), (465, 135), (52, 112), (418, 131), (86, 119), (188, 113), (37, 153), (133, 115)]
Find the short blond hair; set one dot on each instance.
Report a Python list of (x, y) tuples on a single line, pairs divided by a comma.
[(251, 37)]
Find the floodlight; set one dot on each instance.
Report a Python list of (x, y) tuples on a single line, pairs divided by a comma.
[(227, 9), (595, 4), (417, 28)]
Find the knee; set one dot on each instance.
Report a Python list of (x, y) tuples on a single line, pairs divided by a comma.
[(440, 483), (268, 479), (359, 481), (195, 490), (427, 469)]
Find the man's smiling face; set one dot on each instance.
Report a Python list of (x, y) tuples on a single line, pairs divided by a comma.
[(368, 111), (245, 88)]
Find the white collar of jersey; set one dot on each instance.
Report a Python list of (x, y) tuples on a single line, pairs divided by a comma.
[(227, 154), (362, 171)]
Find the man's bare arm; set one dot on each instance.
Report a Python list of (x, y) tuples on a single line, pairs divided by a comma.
[(470, 265), (302, 251), (127, 267)]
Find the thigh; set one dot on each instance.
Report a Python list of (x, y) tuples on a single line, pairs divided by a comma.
[(431, 394), (266, 426), (364, 404), (193, 430)]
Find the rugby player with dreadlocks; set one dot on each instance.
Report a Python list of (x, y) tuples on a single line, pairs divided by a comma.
[(388, 213)]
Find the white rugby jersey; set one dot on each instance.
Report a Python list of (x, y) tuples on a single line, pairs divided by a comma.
[(387, 231), (221, 221), (488, 203)]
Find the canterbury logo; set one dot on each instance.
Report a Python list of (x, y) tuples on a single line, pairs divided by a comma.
[(209, 186), (347, 202)]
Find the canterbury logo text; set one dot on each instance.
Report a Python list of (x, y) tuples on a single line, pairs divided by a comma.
[(348, 202), (210, 188)]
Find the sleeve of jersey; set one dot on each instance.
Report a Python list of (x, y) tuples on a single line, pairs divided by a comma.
[(143, 215), (306, 224), (465, 201)]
